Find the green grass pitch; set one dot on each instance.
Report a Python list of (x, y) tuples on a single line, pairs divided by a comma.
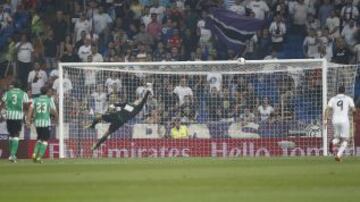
[(186, 180)]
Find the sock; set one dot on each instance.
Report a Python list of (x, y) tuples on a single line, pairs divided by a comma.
[(335, 141), (10, 145), (37, 148), (42, 150), (102, 139), (342, 148), (14, 146)]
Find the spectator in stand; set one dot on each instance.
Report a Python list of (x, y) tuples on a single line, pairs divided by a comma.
[(169, 99), (5, 18), (264, 44), (175, 55), (327, 42), (143, 36), (154, 27), (154, 117), (37, 79), (333, 24), (348, 32), (67, 84), (325, 11), (100, 100), (247, 117), (175, 14), (113, 83), (312, 23), (227, 104), (300, 12), (213, 100), (204, 33), (187, 111), (238, 8), (175, 40), (102, 22), (278, 31), (341, 52), (85, 51), (137, 9), (95, 56), (251, 47), (260, 8), (190, 19), (356, 51), (189, 41), (94, 38), (280, 7), (158, 9), (182, 90), (349, 12), (67, 42), (159, 53), (37, 24), (59, 28), (265, 110), (310, 45), (69, 55), (81, 25), (146, 17), (50, 51), (81, 42), (179, 131), (167, 30), (24, 50)]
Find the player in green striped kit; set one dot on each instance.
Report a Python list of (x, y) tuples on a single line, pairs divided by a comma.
[(40, 112), (14, 100)]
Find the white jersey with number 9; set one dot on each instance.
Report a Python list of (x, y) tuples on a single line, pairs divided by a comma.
[(341, 104)]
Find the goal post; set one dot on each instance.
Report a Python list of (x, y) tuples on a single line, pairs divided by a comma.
[(228, 108)]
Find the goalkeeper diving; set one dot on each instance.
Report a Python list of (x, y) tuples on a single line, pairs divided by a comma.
[(122, 112)]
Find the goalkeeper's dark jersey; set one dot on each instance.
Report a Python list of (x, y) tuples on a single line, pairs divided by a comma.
[(123, 112)]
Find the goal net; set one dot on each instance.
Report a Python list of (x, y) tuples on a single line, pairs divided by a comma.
[(201, 109)]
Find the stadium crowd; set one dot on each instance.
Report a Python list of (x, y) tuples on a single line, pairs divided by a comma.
[(36, 35)]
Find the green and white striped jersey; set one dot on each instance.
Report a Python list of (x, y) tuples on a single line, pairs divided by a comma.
[(14, 100), (42, 107)]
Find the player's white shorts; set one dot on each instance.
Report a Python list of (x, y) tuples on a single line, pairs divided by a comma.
[(342, 129)]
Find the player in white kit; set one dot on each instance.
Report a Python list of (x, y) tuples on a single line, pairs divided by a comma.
[(340, 105)]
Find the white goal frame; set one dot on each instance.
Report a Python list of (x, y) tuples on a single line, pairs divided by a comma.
[(240, 61)]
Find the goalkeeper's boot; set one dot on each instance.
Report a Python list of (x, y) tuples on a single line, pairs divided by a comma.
[(12, 159)]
